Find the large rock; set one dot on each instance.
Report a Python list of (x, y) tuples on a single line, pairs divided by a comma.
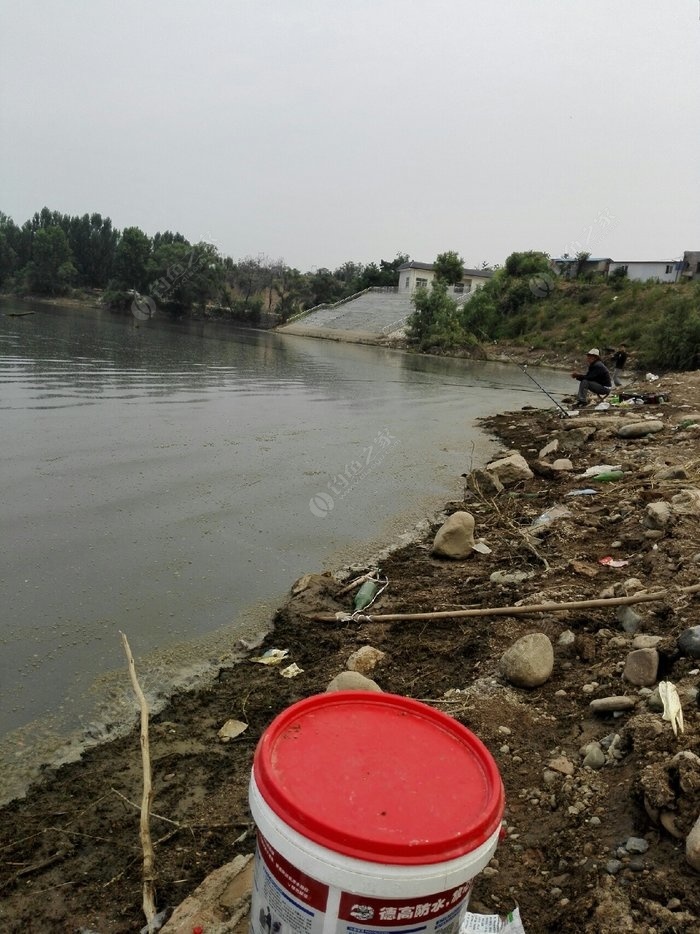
[(529, 662), (511, 470), (640, 429), (220, 903), (572, 438), (365, 659), (352, 681), (455, 537)]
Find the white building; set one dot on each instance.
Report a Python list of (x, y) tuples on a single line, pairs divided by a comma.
[(414, 276), (662, 270)]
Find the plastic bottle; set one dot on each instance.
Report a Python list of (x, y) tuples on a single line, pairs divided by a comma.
[(365, 594), (607, 476)]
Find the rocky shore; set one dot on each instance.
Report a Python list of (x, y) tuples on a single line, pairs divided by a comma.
[(602, 793)]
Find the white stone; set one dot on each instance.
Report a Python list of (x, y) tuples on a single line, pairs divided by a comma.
[(657, 515), (640, 429), (512, 469), (455, 537), (352, 681), (549, 448)]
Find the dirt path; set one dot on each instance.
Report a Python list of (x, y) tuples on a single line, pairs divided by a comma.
[(70, 852)]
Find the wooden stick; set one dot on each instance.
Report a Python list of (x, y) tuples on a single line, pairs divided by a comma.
[(149, 890), (511, 610)]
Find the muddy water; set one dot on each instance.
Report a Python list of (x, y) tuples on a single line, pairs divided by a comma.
[(171, 481)]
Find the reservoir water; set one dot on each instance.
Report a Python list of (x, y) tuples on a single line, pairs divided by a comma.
[(171, 481)]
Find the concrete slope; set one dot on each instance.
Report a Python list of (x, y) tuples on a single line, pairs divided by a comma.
[(369, 317)]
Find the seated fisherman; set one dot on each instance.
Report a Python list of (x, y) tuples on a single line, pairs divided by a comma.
[(596, 379)]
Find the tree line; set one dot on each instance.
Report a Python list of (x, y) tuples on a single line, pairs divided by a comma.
[(58, 254)]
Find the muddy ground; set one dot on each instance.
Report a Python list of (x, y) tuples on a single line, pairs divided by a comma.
[(71, 856)]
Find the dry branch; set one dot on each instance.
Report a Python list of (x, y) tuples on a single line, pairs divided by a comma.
[(149, 891), (514, 610)]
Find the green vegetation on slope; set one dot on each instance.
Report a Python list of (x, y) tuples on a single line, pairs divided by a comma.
[(524, 302)]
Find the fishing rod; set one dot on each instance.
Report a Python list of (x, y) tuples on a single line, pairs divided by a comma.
[(523, 367)]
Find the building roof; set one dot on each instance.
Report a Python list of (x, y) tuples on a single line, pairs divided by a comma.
[(429, 267), (589, 259)]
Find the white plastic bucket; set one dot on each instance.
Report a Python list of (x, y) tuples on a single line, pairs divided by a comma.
[(374, 813)]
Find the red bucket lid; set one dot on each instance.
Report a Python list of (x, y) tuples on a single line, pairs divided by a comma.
[(380, 778)]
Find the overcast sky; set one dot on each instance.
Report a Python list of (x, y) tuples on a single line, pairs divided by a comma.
[(320, 131)]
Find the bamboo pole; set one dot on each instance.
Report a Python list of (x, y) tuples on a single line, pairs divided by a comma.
[(149, 890), (515, 610)]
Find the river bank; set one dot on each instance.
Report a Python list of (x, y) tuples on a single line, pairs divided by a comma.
[(71, 851)]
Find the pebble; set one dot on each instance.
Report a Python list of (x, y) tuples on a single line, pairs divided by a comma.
[(567, 638), (560, 693), (595, 758), (590, 687), (595, 822), (645, 641), (641, 667), (505, 729), (563, 765), (611, 704), (636, 845), (628, 619), (689, 642)]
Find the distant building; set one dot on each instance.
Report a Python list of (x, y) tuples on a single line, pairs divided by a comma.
[(661, 270), (691, 265), (414, 276), (569, 267)]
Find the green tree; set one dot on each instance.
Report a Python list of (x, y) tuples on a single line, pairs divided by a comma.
[(324, 287), (527, 264), (436, 322), (51, 268), (183, 277), (131, 261), (291, 289), (449, 267)]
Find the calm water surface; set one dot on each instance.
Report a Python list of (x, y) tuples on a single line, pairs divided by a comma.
[(172, 481)]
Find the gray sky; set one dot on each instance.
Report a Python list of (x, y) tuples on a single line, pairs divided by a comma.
[(325, 130)]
